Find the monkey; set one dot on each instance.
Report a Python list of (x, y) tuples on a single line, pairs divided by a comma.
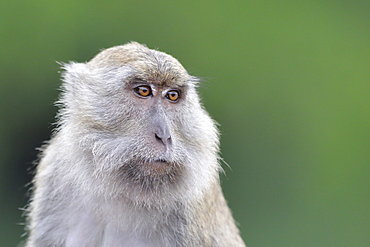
[(133, 161)]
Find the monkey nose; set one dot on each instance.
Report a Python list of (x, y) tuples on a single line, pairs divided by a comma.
[(161, 130), (163, 137)]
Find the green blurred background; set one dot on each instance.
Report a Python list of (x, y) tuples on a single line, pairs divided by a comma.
[(288, 81)]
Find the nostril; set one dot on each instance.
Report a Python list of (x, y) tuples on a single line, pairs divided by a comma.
[(158, 138), (165, 139), (169, 140)]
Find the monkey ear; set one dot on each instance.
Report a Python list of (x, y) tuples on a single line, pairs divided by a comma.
[(75, 73), (195, 80), (76, 78), (75, 89)]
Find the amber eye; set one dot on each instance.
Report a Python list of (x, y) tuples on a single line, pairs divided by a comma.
[(143, 91), (173, 95)]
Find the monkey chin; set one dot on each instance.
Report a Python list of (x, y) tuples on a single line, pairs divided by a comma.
[(150, 178)]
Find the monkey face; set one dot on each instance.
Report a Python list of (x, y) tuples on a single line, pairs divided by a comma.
[(138, 118)]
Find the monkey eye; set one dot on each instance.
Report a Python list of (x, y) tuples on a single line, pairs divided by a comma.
[(143, 91), (173, 95)]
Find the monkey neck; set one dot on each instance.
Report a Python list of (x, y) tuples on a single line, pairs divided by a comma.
[(116, 222)]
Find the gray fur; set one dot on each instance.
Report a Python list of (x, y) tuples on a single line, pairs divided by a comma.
[(121, 170)]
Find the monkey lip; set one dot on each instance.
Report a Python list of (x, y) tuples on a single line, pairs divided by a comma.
[(158, 162), (157, 166)]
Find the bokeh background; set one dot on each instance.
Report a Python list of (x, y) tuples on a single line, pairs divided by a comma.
[(288, 81)]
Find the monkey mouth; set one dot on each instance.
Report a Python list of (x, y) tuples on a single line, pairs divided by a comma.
[(152, 174), (158, 166), (159, 162)]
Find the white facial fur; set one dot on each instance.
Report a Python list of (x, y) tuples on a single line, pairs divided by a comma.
[(115, 129), (130, 169)]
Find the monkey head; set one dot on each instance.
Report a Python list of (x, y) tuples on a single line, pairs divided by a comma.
[(135, 116)]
